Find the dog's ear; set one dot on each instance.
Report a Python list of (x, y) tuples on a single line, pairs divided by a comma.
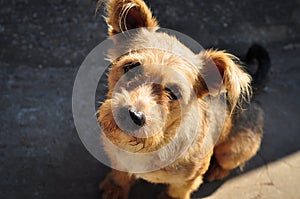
[(124, 15), (232, 79)]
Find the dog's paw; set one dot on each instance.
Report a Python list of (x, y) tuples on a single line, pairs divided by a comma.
[(216, 172), (110, 190)]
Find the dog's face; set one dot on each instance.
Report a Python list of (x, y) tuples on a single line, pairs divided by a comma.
[(148, 90), (154, 85)]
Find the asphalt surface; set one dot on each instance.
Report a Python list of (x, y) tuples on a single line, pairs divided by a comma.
[(43, 44)]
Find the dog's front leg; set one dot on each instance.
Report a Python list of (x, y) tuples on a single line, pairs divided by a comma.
[(183, 190), (116, 185)]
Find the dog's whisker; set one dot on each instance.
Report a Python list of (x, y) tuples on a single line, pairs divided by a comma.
[(100, 102)]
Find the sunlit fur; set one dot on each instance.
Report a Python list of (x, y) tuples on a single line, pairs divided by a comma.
[(166, 62)]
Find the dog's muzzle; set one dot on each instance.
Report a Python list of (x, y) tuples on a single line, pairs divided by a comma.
[(129, 119)]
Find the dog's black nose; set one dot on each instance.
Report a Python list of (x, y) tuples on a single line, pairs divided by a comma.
[(129, 119), (137, 117)]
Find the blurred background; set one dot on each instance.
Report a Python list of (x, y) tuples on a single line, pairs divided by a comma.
[(43, 43)]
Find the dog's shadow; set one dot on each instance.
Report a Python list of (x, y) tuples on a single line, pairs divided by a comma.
[(208, 188)]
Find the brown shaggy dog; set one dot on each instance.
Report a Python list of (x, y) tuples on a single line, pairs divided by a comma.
[(158, 99)]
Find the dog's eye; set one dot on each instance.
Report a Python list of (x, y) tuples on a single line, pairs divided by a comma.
[(173, 92), (127, 67)]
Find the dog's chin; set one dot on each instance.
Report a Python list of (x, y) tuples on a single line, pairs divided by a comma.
[(131, 142)]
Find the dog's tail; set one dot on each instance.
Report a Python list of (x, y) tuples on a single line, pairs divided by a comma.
[(258, 57)]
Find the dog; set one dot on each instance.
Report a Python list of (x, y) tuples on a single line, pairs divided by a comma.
[(158, 101)]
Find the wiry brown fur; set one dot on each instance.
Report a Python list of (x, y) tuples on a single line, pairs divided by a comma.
[(119, 12), (164, 60)]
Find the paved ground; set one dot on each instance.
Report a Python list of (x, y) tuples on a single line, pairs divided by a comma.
[(44, 42)]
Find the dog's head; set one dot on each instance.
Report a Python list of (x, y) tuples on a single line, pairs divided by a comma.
[(158, 82)]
